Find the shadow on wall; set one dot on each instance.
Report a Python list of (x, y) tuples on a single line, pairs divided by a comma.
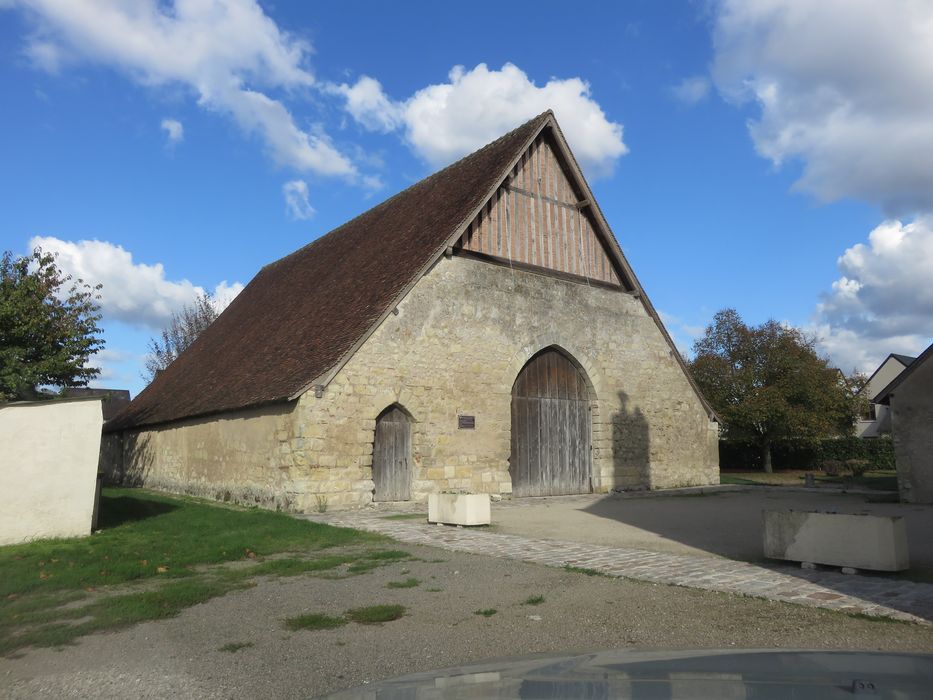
[(631, 446), (138, 459)]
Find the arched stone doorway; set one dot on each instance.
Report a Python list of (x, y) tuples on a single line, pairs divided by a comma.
[(551, 428), (392, 455)]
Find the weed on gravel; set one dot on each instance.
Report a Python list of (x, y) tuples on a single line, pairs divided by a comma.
[(314, 621), (533, 600), (234, 647), (375, 614), (407, 583), (488, 612)]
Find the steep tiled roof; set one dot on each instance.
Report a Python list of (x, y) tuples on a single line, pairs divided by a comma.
[(298, 317)]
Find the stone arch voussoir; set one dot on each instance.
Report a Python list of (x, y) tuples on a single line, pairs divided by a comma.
[(570, 348)]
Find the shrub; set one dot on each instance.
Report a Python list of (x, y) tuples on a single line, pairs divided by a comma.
[(807, 454), (857, 466)]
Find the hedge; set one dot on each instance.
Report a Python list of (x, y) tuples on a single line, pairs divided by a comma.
[(804, 454)]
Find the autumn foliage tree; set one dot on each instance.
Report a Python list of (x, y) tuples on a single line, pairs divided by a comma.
[(184, 328), (48, 326), (767, 383)]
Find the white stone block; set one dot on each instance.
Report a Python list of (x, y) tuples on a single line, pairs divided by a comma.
[(858, 541), (459, 508)]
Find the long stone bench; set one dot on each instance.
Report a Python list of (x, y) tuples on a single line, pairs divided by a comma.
[(858, 541)]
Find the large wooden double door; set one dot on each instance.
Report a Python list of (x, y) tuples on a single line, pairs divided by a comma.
[(550, 428)]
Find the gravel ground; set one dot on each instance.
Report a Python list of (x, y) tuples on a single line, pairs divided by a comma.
[(181, 657)]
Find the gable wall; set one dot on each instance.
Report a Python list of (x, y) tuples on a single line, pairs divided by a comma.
[(533, 219), (912, 422), (456, 347), (460, 339)]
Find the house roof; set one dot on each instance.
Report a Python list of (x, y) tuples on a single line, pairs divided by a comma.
[(884, 396), (905, 360), (303, 316)]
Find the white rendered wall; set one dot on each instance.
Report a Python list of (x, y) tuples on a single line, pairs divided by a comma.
[(48, 468)]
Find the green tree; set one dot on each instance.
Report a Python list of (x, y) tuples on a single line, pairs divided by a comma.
[(48, 326), (768, 382), (181, 332)]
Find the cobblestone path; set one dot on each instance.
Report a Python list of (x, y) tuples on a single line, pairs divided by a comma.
[(869, 595)]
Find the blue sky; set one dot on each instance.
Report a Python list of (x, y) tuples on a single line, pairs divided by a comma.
[(775, 156)]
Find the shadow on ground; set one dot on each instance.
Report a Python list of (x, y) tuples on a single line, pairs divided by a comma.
[(730, 524), (120, 510)]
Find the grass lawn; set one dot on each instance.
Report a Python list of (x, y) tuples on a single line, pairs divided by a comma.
[(880, 480), (157, 555)]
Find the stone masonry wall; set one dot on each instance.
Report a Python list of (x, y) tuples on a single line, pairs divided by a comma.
[(912, 422), (456, 345)]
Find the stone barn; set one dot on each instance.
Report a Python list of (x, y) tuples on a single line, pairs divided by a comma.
[(480, 331)]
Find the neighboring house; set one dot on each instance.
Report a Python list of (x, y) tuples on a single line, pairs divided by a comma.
[(113, 400), (480, 331), (876, 421), (910, 400)]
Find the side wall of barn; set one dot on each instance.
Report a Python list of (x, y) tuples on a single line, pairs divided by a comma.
[(912, 421), (459, 340)]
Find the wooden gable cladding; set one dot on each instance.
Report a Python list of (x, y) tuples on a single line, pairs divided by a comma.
[(536, 219)]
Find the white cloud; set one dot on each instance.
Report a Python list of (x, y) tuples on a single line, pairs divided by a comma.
[(227, 51), (297, 205), (44, 55), (445, 121), (224, 293), (112, 365), (883, 301), (692, 90), (370, 106), (174, 130), (841, 85), (134, 293), (683, 334)]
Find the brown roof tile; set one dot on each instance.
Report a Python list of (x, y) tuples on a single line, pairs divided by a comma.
[(297, 318)]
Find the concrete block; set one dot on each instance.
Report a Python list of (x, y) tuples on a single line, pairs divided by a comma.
[(459, 508), (857, 541)]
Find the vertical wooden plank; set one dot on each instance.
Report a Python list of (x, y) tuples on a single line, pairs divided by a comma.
[(524, 208), (535, 202), (392, 458), (526, 233), (520, 207), (531, 428), (561, 238), (506, 229)]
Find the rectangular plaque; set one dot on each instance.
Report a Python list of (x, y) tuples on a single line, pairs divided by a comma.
[(466, 422)]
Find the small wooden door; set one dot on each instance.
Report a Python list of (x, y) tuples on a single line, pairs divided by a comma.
[(392, 456), (550, 428)]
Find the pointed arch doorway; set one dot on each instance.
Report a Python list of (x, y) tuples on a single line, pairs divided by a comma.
[(392, 455), (551, 428)]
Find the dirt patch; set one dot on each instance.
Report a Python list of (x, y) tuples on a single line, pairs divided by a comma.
[(440, 627)]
